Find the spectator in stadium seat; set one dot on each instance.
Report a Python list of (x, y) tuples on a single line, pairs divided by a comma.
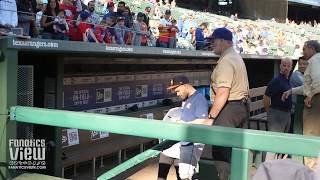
[(264, 33), (181, 26), (85, 28), (47, 19), (109, 37), (262, 48), (60, 26), (146, 17), (199, 35), (119, 13), (164, 29), (71, 13), (311, 89), (128, 23), (100, 31), (173, 34), (140, 31), (120, 30), (27, 21), (39, 14), (120, 8), (127, 13), (69, 8), (93, 18), (111, 12)]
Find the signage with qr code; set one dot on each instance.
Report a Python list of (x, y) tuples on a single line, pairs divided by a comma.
[(124, 93), (73, 137), (157, 89), (95, 135), (98, 135), (103, 95), (141, 91), (104, 134)]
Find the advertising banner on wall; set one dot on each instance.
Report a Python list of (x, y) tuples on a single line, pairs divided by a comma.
[(94, 92)]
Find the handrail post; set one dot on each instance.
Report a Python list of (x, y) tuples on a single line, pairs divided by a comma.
[(298, 121), (8, 97), (240, 164)]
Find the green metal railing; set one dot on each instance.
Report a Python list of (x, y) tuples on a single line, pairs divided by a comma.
[(241, 140)]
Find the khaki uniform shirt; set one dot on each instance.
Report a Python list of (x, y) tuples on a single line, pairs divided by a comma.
[(230, 72), (311, 84)]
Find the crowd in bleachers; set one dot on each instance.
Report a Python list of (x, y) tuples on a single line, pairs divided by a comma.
[(154, 23)]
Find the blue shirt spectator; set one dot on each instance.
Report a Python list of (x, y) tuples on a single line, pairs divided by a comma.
[(200, 44), (297, 78), (276, 87), (182, 27)]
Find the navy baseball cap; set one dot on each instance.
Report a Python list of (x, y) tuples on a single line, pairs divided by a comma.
[(168, 11), (221, 33), (140, 14), (177, 81), (84, 15), (121, 18)]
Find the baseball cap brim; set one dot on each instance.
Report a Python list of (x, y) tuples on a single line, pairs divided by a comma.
[(173, 87)]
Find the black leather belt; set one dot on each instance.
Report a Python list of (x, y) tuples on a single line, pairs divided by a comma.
[(281, 109)]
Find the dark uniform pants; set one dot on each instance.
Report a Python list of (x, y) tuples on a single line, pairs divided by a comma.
[(234, 114)]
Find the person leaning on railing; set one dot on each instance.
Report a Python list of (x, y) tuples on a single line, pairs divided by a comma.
[(164, 29), (47, 20), (311, 89), (141, 32), (26, 17)]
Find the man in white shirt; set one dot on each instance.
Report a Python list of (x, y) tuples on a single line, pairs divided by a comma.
[(311, 89)]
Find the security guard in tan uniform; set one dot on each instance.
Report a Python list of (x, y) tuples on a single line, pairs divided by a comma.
[(229, 94)]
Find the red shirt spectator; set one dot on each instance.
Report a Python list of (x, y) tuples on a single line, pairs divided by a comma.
[(143, 28), (82, 28), (109, 36), (71, 12), (100, 32), (173, 31)]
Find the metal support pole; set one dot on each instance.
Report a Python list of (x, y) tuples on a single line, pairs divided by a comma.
[(125, 154), (298, 122), (62, 172), (74, 170), (94, 168), (59, 105), (240, 164), (119, 156), (101, 162), (141, 148)]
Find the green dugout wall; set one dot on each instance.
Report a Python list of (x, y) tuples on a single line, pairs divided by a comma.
[(54, 61)]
